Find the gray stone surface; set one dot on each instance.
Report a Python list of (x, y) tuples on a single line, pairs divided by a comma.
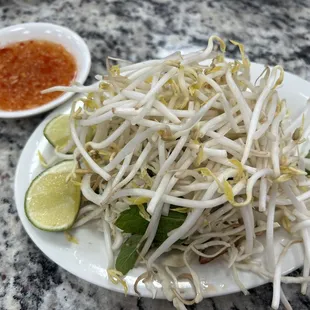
[(273, 31)]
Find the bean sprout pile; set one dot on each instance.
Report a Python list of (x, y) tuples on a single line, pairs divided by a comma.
[(202, 140)]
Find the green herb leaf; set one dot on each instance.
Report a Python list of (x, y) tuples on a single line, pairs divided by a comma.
[(168, 223), (131, 222), (128, 254)]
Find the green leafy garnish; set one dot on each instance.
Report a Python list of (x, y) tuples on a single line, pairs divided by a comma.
[(167, 224), (131, 222), (128, 254)]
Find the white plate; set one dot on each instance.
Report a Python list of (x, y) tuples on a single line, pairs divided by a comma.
[(87, 260), (70, 40)]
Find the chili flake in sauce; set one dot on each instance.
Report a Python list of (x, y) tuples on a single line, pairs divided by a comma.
[(27, 68)]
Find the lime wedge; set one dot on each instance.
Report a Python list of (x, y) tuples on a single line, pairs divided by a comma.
[(57, 131), (51, 203)]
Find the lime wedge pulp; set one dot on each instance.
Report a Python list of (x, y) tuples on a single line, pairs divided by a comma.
[(57, 131), (51, 203)]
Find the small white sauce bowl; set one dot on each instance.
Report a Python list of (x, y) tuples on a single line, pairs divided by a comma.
[(70, 40)]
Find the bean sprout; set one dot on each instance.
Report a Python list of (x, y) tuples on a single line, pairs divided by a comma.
[(177, 135)]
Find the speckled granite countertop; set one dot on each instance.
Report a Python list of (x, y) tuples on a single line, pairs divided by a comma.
[(274, 31)]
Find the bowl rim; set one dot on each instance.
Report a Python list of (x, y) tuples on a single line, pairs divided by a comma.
[(82, 70)]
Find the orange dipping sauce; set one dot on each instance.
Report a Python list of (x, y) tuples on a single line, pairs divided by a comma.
[(27, 68)]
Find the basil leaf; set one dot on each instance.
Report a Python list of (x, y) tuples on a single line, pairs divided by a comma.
[(128, 254), (168, 223), (131, 222)]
